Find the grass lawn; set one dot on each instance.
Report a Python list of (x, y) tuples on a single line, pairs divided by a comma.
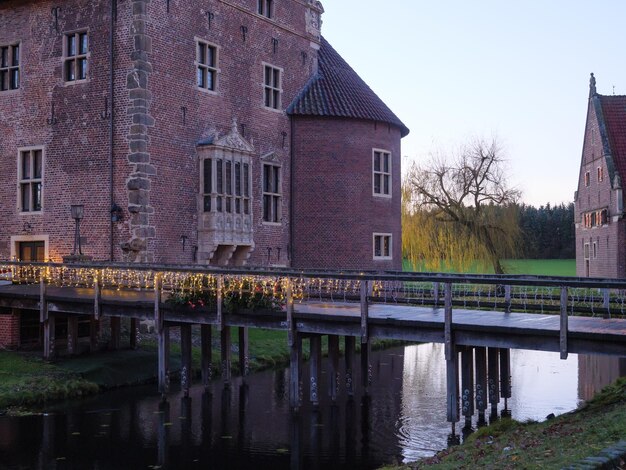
[(556, 443), (535, 267)]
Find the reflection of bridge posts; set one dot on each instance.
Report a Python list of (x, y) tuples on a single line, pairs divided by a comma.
[(493, 380), (244, 361), (206, 355), (225, 355), (207, 419), (185, 431), (163, 340), (164, 435), (366, 373), (295, 439), (295, 364)]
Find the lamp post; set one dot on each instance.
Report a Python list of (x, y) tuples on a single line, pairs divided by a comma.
[(77, 214)]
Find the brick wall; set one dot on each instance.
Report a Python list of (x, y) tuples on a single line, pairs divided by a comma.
[(9, 330), (610, 256), (335, 212)]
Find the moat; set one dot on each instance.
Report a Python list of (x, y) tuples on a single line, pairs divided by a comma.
[(251, 425)]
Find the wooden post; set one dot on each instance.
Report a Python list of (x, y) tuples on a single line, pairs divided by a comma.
[(225, 355), (49, 335), (435, 293), (481, 383), (315, 363), (452, 385), (294, 372), (97, 294), (185, 363), (72, 335), (467, 384), (163, 440), (606, 302), (449, 344), (291, 327), (133, 333), (350, 343), (244, 361), (493, 379), (116, 326), (505, 373), (333, 366), (93, 333), (163, 333), (364, 311), (507, 299), (206, 354), (366, 368), (219, 316), (564, 323)]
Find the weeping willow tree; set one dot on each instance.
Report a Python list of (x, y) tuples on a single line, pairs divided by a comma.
[(460, 211)]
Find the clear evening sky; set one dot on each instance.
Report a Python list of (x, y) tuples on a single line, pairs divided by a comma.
[(454, 69)]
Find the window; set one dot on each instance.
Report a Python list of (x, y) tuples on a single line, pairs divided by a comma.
[(226, 185), (382, 173), (206, 63), (271, 87), (595, 218), (30, 180), (600, 174), (271, 193), (587, 178), (595, 250), (265, 8), (382, 246), (586, 251), (9, 67), (75, 58)]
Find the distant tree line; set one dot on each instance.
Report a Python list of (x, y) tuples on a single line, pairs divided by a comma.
[(547, 232)]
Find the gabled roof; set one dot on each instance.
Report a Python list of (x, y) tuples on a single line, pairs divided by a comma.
[(338, 91), (612, 123)]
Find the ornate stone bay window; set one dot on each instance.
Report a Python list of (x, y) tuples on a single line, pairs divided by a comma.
[(225, 228)]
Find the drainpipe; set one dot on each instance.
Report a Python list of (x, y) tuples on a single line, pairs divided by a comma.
[(112, 120)]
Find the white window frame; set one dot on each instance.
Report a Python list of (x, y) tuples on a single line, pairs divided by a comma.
[(75, 57), (382, 237), (381, 173), (214, 69), (10, 66), (21, 180), (275, 196), (274, 106)]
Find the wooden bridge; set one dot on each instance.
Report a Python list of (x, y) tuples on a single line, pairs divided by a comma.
[(479, 318)]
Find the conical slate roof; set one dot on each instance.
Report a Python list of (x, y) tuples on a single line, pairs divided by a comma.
[(338, 91)]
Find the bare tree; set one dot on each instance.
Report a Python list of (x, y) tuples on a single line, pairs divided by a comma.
[(460, 209)]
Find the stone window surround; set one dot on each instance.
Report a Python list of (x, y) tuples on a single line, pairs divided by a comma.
[(277, 194), (382, 173), (16, 239), (65, 57), (264, 86), (216, 69), (10, 65), (586, 251), (382, 237), (600, 174), (20, 150), (595, 250), (587, 178)]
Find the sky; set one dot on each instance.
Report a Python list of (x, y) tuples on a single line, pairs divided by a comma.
[(454, 70)]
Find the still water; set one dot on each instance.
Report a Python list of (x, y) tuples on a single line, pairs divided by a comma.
[(250, 425)]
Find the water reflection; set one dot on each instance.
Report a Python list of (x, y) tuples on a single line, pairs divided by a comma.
[(250, 426)]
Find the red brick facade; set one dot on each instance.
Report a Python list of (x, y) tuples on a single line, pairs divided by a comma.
[(600, 226), (9, 330), (159, 117)]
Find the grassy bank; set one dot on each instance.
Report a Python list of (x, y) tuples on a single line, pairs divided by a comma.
[(28, 381), (556, 443)]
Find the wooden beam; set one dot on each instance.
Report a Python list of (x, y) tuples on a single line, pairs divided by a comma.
[(493, 378), (366, 368), (97, 294), (364, 311), (244, 360), (72, 335), (505, 373), (225, 355), (315, 363), (291, 327), (452, 387), (350, 345), (333, 366), (449, 344), (480, 357), (206, 355), (294, 372), (219, 294), (133, 333), (467, 384), (49, 335), (564, 324), (185, 363), (164, 360)]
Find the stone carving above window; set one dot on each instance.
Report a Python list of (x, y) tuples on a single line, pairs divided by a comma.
[(313, 18)]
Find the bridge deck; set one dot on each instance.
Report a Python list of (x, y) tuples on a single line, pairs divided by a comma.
[(385, 321)]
